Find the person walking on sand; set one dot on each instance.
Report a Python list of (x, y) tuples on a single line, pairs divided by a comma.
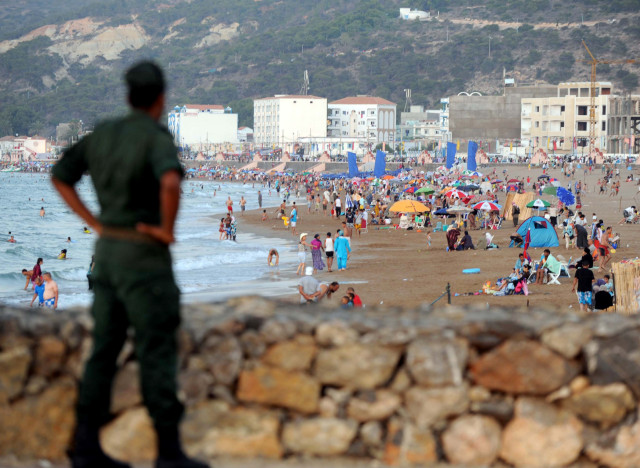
[(134, 282), (293, 219), (328, 250), (229, 205), (259, 199), (316, 254), (243, 204), (584, 280), (343, 251), (302, 253)]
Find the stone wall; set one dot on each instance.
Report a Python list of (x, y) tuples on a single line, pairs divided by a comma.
[(470, 387)]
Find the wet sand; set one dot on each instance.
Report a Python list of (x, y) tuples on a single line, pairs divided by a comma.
[(396, 268)]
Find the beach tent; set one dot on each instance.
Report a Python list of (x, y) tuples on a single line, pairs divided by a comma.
[(543, 234)]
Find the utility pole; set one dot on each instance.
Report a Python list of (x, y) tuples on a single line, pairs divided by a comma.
[(490, 46)]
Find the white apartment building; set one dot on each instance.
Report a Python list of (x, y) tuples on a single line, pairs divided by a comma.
[(554, 122), (367, 117), (199, 126), (282, 120)]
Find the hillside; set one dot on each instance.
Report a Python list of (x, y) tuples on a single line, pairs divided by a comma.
[(64, 63)]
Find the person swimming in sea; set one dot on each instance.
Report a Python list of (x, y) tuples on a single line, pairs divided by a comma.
[(86, 230), (63, 254)]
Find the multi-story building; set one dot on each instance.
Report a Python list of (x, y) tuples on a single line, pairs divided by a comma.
[(490, 118), (561, 123), (199, 126), (282, 120), (423, 124), (371, 119), (623, 125)]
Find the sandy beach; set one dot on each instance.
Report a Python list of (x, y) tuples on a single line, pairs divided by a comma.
[(396, 268)]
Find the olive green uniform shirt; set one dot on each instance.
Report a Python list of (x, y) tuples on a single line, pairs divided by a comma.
[(126, 158)]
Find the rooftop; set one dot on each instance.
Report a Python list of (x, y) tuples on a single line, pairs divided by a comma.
[(204, 106), (289, 96), (364, 100), (585, 84)]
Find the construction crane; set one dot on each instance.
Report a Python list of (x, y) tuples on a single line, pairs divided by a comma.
[(592, 94)]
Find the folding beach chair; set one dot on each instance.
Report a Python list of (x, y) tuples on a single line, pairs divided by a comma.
[(364, 226), (438, 227)]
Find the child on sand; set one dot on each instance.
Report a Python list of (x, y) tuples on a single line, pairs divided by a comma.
[(428, 239)]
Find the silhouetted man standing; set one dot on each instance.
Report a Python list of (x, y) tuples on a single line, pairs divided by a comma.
[(136, 173)]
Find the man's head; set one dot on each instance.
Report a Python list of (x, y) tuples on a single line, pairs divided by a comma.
[(146, 86), (521, 256), (25, 272), (46, 277), (333, 287), (547, 252), (328, 234)]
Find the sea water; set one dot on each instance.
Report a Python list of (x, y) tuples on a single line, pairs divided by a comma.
[(205, 267)]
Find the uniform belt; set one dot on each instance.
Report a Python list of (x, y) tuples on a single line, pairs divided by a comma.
[(127, 234)]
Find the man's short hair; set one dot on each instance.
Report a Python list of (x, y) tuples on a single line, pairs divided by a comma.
[(145, 82), (547, 251)]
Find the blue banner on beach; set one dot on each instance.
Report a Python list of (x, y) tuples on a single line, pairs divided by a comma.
[(381, 163), (472, 148), (353, 164), (451, 154)]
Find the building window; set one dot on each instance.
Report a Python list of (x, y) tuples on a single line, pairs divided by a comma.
[(310, 102), (604, 110), (604, 126), (561, 108), (582, 110), (582, 126), (537, 108), (537, 124), (295, 102), (561, 124)]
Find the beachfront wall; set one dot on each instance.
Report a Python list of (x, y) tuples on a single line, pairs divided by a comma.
[(261, 379)]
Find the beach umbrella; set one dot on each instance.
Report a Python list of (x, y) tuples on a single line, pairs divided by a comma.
[(550, 190), (455, 193), (409, 206), (513, 181), (458, 209), (556, 183), (512, 188), (425, 190), (538, 204), (497, 181), (543, 177), (565, 196), (487, 206), (387, 177), (442, 169), (468, 188), (410, 190)]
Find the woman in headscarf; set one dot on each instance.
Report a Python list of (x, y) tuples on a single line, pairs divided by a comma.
[(316, 254)]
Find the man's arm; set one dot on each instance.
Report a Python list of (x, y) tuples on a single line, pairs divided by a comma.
[(169, 204), (575, 282), (302, 293), (55, 295), (71, 197)]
